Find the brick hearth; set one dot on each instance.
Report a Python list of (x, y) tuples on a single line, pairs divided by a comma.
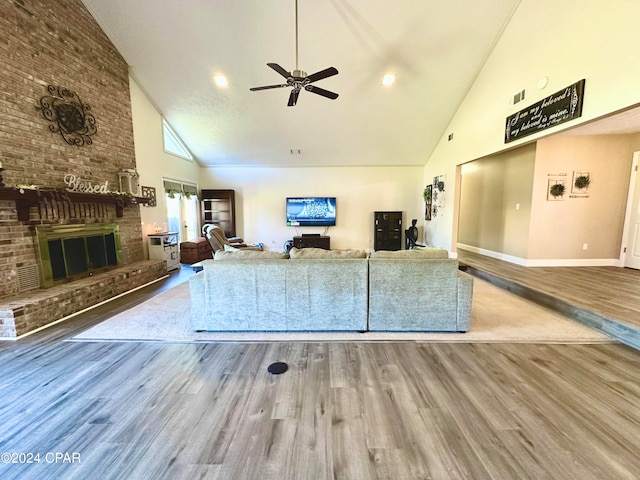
[(20, 314)]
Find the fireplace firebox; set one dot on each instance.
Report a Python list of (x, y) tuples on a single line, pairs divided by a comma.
[(70, 252)]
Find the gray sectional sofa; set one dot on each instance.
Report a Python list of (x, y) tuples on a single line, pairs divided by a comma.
[(320, 290)]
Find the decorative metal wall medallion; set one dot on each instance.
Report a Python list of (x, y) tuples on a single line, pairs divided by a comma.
[(68, 115)]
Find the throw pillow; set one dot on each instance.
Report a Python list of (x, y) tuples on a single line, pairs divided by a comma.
[(249, 254), (229, 248), (415, 253), (306, 253)]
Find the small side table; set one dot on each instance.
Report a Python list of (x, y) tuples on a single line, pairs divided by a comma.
[(164, 246)]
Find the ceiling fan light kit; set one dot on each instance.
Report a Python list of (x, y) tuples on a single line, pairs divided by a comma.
[(299, 80)]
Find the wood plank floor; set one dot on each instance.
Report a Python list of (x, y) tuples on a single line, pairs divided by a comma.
[(343, 410), (610, 291)]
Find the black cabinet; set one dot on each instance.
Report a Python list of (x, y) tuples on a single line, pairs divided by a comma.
[(312, 241), (387, 231), (218, 206)]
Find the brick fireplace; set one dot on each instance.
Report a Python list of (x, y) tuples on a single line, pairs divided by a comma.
[(68, 252), (58, 43)]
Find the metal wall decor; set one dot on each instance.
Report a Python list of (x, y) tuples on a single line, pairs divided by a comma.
[(68, 116), (150, 193), (427, 195), (438, 194)]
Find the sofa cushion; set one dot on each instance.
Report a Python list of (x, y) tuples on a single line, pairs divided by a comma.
[(280, 295), (418, 253), (249, 254), (418, 294), (306, 253)]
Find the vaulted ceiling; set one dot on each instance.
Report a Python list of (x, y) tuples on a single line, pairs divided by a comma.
[(435, 48)]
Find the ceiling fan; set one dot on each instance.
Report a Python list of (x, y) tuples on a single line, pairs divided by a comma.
[(299, 79)]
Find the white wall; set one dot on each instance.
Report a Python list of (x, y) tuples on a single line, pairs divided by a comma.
[(564, 41), (359, 191), (152, 162), (261, 192)]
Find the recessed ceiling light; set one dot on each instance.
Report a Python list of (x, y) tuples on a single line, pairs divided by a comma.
[(388, 79), (220, 80)]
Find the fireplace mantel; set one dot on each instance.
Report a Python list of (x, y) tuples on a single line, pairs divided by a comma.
[(26, 198)]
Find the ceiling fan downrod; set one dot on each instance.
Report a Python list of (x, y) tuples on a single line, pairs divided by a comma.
[(297, 73), (297, 69), (298, 79)]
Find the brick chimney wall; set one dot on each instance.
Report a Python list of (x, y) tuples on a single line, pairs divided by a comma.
[(57, 42)]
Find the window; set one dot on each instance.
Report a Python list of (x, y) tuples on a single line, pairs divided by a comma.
[(182, 209), (172, 142)]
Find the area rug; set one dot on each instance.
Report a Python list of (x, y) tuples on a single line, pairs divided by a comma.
[(497, 316)]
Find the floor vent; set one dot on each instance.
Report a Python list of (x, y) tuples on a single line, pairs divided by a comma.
[(28, 278)]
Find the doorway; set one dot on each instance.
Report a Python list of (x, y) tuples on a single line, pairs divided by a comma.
[(182, 210), (631, 235)]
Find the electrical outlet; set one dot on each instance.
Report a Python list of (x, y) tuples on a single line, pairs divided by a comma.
[(585, 246)]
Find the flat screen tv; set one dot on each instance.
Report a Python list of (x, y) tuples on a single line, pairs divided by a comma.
[(311, 211)]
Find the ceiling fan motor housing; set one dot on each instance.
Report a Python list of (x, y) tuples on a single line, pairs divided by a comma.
[(298, 79)]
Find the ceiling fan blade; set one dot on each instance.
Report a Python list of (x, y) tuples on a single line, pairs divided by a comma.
[(293, 98), (321, 91), (279, 69), (327, 72), (255, 89)]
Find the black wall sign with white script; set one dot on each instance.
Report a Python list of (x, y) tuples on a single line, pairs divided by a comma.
[(555, 109)]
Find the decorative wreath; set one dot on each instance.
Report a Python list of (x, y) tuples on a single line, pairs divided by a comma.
[(582, 181), (557, 190)]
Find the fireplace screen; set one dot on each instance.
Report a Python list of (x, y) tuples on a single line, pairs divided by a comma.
[(68, 252)]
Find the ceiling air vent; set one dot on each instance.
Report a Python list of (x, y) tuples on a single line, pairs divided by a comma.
[(28, 278), (518, 97)]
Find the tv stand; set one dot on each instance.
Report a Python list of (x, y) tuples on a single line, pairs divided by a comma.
[(312, 241)]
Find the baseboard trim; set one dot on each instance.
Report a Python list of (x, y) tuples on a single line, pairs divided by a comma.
[(490, 253), (574, 262), (549, 262)]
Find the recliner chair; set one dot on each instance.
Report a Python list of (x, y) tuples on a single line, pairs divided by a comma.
[(218, 240)]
